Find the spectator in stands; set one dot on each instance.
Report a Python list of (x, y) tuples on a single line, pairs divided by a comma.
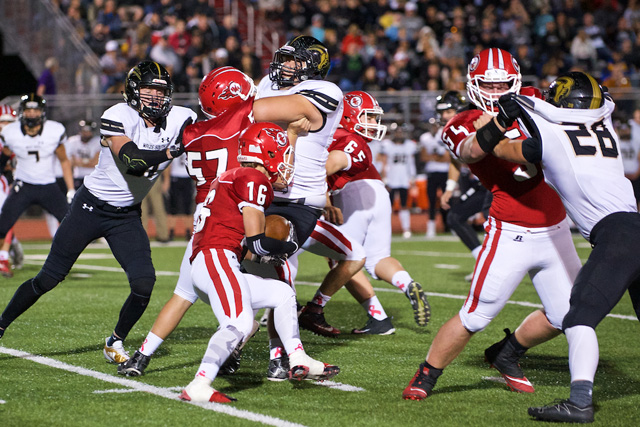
[(114, 67), (351, 69), (180, 39), (47, 80), (583, 51), (163, 54), (110, 19)]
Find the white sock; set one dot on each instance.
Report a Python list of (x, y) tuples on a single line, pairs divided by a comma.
[(150, 344), (320, 299), (476, 251), (4, 255), (583, 352), (374, 308), (405, 219), (207, 372), (52, 223), (401, 280), (275, 348), (431, 227)]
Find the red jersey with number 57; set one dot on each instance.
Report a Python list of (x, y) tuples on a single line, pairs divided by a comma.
[(212, 145), (361, 159), (220, 224), (520, 195)]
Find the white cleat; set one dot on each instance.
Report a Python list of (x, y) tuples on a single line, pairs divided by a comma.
[(304, 367), (116, 353), (200, 391)]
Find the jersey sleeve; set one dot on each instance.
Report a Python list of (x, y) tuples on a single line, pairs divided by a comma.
[(325, 96), (458, 129), (252, 189), (358, 152), (115, 119)]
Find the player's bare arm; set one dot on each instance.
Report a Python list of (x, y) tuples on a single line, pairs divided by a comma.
[(337, 161), (452, 181), (287, 109), (254, 222), (65, 164), (510, 150)]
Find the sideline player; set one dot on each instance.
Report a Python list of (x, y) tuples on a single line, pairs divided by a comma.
[(572, 135), (10, 244), (362, 210), (35, 142), (233, 208), (83, 150), (526, 233), (139, 140)]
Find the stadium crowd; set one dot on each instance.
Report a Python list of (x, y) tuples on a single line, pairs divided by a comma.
[(374, 45)]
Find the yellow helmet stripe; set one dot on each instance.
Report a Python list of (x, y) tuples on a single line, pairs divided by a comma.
[(596, 100)]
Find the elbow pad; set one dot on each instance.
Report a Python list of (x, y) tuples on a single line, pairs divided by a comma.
[(137, 160), (532, 150), (262, 245)]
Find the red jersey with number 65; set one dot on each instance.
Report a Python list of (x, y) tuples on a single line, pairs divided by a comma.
[(220, 224), (212, 145), (361, 165), (520, 195)]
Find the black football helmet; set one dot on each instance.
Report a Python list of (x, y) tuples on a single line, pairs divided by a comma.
[(575, 90), (149, 74), (449, 100), (28, 102), (311, 62)]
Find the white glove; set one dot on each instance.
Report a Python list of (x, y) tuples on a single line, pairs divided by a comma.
[(70, 195)]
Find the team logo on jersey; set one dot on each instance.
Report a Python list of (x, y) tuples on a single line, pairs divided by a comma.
[(355, 101), (278, 136), (474, 63), (233, 89)]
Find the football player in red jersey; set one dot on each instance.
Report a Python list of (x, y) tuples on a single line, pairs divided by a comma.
[(362, 210), (526, 232), (234, 208)]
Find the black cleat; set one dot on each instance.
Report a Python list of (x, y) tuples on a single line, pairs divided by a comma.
[(232, 364), (504, 358), (376, 327), (312, 319), (135, 366), (278, 369), (419, 303), (564, 412)]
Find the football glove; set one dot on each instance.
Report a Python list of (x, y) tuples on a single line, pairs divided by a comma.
[(509, 110), (177, 148)]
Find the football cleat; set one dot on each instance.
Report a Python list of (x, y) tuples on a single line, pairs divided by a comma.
[(421, 384), (232, 364), (116, 352), (200, 391), (5, 268), (304, 367), (376, 327), (278, 369), (312, 319), (16, 255), (468, 277), (502, 356), (563, 411), (135, 366), (419, 303)]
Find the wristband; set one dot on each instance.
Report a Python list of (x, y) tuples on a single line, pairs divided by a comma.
[(451, 185), (488, 136)]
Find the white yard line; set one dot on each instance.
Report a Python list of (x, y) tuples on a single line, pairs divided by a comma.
[(147, 388)]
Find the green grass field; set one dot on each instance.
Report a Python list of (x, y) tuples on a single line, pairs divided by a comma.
[(53, 373)]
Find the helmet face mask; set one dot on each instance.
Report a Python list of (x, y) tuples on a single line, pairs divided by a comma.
[(363, 115), (576, 90), (492, 67), (302, 58), (222, 88), (27, 111), (148, 103), (267, 144)]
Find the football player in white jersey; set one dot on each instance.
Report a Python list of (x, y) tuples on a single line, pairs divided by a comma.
[(35, 142), (10, 243), (572, 135), (139, 140), (400, 172), (83, 150)]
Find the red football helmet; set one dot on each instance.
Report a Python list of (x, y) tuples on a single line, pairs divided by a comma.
[(7, 114), (267, 144), (359, 109), (222, 88), (492, 66)]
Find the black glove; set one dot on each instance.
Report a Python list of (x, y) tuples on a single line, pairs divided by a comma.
[(177, 148), (509, 110)]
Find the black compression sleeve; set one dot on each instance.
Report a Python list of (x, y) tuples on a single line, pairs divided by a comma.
[(262, 245), (489, 136), (532, 150), (137, 160), (3, 160)]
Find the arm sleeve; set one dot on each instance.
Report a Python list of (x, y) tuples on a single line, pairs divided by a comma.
[(262, 245), (137, 160), (532, 150)]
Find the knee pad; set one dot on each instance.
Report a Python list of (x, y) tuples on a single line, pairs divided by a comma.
[(142, 286), (43, 283)]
